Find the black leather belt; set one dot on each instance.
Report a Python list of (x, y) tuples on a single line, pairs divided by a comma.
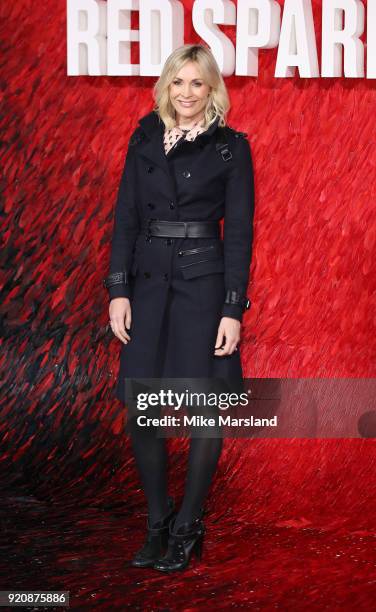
[(182, 229)]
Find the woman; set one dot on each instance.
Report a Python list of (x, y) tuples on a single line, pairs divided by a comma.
[(177, 290)]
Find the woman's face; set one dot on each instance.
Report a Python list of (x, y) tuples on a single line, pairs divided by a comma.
[(189, 93)]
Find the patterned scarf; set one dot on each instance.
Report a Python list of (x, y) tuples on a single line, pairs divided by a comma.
[(174, 134)]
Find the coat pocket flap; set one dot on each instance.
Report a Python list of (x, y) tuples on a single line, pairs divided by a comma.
[(199, 268)]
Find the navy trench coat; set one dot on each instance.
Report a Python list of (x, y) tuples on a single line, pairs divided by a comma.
[(179, 288)]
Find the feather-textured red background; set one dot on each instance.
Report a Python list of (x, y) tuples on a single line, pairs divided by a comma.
[(291, 523)]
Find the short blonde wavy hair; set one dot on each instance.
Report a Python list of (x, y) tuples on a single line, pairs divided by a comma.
[(218, 102)]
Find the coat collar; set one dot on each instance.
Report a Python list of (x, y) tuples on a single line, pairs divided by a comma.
[(152, 123), (152, 148)]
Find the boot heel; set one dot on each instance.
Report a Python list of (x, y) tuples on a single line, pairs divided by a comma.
[(187, 540), (197, 549)]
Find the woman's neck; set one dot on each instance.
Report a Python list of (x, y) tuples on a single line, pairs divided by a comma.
[(187, 123)]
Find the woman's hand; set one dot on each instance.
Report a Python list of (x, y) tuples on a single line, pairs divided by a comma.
[(120, 317), (229, 330)]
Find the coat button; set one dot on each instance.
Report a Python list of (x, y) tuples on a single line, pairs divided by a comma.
[(172, 205), (147, 274), (180, 253), (186, 174), (151, 205), (150, 168)]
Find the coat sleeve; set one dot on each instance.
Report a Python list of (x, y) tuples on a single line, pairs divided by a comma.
[(126, 227), (238, 229)]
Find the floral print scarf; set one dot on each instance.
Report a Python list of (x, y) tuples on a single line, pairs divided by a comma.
[(174, 134)]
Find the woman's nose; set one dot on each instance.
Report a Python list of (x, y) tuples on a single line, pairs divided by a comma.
[(187, 92)]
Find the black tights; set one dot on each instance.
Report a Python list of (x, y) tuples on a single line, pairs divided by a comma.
[(151, 459)]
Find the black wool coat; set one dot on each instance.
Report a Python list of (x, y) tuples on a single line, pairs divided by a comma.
[(179, 288)]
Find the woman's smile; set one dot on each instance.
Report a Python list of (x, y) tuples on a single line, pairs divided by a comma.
[(187, 104)]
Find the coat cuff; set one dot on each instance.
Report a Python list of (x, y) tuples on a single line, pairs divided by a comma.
[(235, 304), (117, 285), (119, 291)]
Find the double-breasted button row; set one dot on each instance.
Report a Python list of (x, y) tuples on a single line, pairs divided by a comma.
[(164, 276), (152, 206), (185, 173)]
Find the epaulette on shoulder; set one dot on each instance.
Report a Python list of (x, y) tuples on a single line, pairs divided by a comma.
[(237, 134), (136, 136)]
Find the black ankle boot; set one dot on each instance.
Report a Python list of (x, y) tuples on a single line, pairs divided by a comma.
[(156, 539), (188, 539)]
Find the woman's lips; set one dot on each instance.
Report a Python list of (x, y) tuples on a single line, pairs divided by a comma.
[(186, 104)]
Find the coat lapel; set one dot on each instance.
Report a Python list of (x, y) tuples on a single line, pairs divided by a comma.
[(152, 148)]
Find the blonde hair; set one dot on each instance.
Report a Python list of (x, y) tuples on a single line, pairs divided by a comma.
[(218, 101)]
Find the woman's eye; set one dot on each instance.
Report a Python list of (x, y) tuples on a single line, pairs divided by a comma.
[(195, 84)]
